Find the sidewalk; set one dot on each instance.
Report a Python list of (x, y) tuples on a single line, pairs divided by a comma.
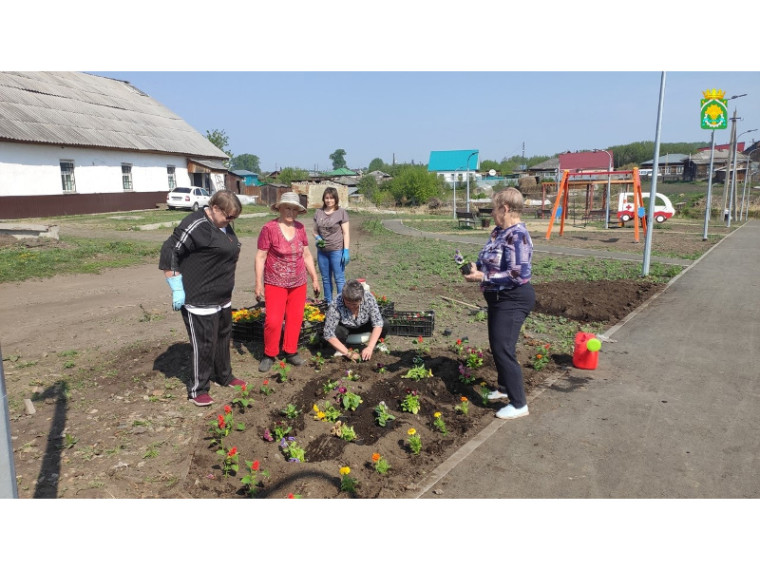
[(672, 411)]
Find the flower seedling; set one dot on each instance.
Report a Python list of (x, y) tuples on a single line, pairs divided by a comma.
[(267, 435), (381, 465), (265, 388), (351, 376), (418, 373), (411, 402), (539, 360), (292, 451), (281, 429), (465, 374), (415, 443), (484, 391), (243, 398), (380, 368), (383, 414), (318, 360), (283, 369), (382, 346), (463, 407), (347, 484), (223, 425), (344, 431), (351, 401), (473, 358), (291, 412), (251, 480), (230, 461), (439, 424), (462, 264), (419, 346), (329, 414), (329, 386)]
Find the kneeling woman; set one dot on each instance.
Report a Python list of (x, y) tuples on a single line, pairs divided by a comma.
[(353, 312)]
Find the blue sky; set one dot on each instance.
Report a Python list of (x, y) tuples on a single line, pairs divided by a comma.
[(299, 118)]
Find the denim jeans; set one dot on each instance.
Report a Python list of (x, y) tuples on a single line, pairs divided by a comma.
[(329, 268)]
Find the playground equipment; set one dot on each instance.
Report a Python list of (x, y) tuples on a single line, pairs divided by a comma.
[(559, 210), (663, 207)]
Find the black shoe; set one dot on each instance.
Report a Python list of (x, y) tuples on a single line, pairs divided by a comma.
[(295, 359), (266, 364)]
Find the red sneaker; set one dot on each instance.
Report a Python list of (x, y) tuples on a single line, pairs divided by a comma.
[(236, 382), (202, 400)]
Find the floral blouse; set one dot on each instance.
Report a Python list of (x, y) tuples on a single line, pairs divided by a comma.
[(506, 258), (338, 313)]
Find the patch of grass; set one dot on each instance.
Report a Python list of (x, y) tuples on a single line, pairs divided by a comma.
[(152, 450), (546, 269)]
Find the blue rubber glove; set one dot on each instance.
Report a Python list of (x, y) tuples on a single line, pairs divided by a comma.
[(320, 241), (345, 259), (178, 291)]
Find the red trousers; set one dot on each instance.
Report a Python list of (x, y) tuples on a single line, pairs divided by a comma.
[(283, 305)]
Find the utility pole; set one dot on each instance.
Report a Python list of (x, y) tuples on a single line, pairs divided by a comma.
[(726, 185)]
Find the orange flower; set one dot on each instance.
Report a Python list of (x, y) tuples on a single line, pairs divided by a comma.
[(232, 452), (220, 419), (375, 457), (547, 346), (291, 496), (463, 398), (539, 356), (255, 465), (227, 410), (282, 364)]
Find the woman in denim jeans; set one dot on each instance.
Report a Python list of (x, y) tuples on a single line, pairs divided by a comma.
[(332, 238), (504, 270)]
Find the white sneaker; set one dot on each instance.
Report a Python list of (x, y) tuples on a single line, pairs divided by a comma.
[(510, 412), (496, 395)]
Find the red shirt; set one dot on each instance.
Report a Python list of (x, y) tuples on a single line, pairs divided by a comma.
[(284, 266)]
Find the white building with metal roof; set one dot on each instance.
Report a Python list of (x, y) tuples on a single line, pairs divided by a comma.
[(72, 143)]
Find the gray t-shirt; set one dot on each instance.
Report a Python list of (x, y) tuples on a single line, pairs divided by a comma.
[(329, 226)]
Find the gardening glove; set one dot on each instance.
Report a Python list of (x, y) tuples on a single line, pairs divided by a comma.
[(345, 259), (320, 241), (178, 291)]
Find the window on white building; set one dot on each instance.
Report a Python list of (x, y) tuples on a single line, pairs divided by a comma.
[(172, 178), (126, 176), (67, 177)]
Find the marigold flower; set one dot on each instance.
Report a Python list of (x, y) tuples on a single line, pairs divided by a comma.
[(227, 410), (345, 470), (539, 356), (412, 431), (463, 398), (375, 457), (255, 465), (232, 452)]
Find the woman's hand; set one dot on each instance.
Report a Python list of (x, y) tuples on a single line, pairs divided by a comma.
[(367, 353), (474, 276)]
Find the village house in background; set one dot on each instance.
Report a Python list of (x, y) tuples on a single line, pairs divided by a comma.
[(75, 143)]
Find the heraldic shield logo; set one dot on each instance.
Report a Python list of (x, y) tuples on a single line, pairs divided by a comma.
[(714, 110)]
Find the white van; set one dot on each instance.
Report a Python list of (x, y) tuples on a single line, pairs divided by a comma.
[(663, 207)]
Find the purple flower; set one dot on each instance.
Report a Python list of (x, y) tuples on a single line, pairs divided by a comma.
[(342, 390), (267, 435), (291, 438), (283, 443), (294, 460)]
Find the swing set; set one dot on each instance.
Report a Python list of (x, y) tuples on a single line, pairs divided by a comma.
[(559, 210)]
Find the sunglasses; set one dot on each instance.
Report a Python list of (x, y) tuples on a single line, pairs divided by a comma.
[(226, 217)]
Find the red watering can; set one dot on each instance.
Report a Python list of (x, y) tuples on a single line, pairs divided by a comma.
[(586, 353)]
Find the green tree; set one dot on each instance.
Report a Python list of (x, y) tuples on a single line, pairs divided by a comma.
[(248, 162), (415, 185), (367, 186), (220, 140), (376, 164), (487, 165), (289, 175), (338, 159)]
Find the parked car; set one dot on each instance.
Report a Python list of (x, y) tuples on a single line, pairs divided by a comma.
[(188, 198)]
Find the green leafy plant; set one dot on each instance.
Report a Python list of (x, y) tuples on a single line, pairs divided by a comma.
[(483, 391), (474, 358), (411, 402), (459, 345), (541, 358), (439, 424), (418, 372), (347, 483), (383, 414), (251, 479), (291, 411), (415, 443), (281, 429), (243, 397), (419, 346), (329, 386), (69, 440), (265, 388), (318, 360), (229, 461), (381, 464), (344, 431), (329, 413), (223, 425), (282, 369), (465, 374), (350, 400), (351, 376), (292, 451), (463, 407)]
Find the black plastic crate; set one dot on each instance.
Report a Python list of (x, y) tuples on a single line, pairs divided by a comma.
[(411, 323), (387, 310)]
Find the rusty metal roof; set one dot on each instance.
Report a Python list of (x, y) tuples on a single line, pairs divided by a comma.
[(78, 109)]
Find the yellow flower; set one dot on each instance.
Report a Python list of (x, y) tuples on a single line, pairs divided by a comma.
[(412, 431), (437, 414), (345, 470), (315, 408), (320, 415)]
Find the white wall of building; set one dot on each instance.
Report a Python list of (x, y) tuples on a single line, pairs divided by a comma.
[(35, 170)]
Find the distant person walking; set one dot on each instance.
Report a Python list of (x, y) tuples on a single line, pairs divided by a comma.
[(199, 261), (504, 270), (282, 262), (331, 232)]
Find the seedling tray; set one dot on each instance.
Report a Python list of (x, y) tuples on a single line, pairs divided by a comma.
[(411, 323)]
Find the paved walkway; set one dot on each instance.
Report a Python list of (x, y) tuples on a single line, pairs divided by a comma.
[(673, 409)]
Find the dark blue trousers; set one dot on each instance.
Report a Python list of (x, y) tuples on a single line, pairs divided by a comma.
[(210, 338), (507, 310)]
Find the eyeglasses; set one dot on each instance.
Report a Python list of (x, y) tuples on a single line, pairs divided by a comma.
[(226, 217)]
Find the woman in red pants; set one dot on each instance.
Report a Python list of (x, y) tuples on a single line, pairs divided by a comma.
[(283, 260)]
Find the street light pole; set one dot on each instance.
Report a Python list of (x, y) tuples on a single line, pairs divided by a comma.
[(708, 200), (607, 199), (468, 178), (454, 180), (747, 175), (731, 204)]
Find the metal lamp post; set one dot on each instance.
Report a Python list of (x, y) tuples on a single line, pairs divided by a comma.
[(733, 178), (468, 178), (454, 180), (607, 198), (744, 190)]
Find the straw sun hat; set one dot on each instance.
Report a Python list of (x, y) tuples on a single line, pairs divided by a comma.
[(290, 198)]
